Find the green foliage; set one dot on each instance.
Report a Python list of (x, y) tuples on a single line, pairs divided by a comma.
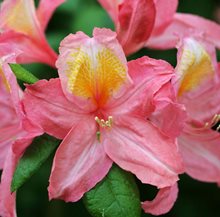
[(36, 154), (116, 196), (22, 74)]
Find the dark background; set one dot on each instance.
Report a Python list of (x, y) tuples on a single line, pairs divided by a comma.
[(196, 199)]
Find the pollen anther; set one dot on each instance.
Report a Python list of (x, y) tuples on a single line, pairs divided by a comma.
[(215, 120), (103, 123)]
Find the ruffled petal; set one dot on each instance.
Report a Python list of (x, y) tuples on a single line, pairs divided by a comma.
[(200, 149), (185, 25), (46, 105), (148, 76), (45, 11), (163, 202), (169, 116), (137, 146), (79, 164), (83, 65), (135, 23)]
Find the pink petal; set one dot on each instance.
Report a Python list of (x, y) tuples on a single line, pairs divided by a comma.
[(137, 146), (79, 164), (163, 202), (185, 25), (169, 116), (148, 76), (29, 50), (200, 149), (7, 199), (46, 105), (135, 23), (45, 11), (165, 11), (82, 64)]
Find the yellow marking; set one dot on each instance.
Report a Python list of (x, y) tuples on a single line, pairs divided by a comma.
[(194, 69), (97, 78), (18, 18), (4, 80)]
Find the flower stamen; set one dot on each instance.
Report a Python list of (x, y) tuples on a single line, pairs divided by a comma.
[(214, 123), (103, 123)]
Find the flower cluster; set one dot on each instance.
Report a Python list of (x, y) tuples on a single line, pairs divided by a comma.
[(147, 117)]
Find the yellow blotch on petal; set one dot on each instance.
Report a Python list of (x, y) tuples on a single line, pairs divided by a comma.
[(97, 77), (4, 80), (195, 67), (19, 18)]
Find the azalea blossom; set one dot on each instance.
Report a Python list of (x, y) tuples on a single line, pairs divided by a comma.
[(16, 133), (22, 26), (101, 107), (197, 86), (156, 24)]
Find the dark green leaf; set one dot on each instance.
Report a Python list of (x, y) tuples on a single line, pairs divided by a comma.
[(22, 74), (36, 154), (116, 196)]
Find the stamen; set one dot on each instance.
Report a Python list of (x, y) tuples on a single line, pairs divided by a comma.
[(103, 123), (214, 123)]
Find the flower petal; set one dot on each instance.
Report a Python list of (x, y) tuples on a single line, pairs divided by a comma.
[(201, 153), (185, 25), (165, 11), (163, 202), (92, 69), (135, 23), (79, 164), (20, 16), (46, 106), (137, 146), (148, 76), (45, 11)]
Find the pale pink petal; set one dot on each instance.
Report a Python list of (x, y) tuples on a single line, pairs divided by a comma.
[(45, 11), (148, 76), (137, 146), (46, 105), (185, 25), (165, 11), (135, 23), (79, 164), (163, 202), (82, 67), (200, 149)]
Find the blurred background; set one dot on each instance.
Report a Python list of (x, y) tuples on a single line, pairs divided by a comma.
[(196, 199)]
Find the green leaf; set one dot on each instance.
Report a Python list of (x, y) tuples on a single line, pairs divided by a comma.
[(22, 74), (35, 155), (116, 196)]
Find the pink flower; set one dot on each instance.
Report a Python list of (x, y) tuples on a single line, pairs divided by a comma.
[(22, 26), (16, 133), (137, 21), (197, 85), (101, 108)]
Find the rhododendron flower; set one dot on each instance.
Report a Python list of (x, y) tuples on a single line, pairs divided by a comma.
[(101, 107), (197, 86), (16, 133), (22, 26), (137, 21)]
